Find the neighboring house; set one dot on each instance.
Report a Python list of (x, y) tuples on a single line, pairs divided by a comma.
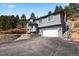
[(52, 25)]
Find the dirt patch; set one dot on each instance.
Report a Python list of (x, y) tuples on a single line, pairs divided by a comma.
[(14, 31), (8, 37)]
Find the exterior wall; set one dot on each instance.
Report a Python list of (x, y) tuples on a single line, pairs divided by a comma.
[(52, 28), (31, 20), (31, 29), (34, 29), (50, 20)]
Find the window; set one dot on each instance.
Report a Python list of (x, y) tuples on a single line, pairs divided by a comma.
[(55, 16), (49, 18), (40, 21)]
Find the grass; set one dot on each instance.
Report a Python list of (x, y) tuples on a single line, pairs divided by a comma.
[(14, 31)]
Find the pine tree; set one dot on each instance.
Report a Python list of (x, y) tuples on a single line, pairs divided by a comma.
[(32, 16), (23, 20), (49, 13), (68, 10), (23, 17), (58, 9)]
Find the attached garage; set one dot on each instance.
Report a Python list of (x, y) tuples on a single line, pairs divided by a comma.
[(54, 31), (50, 33)]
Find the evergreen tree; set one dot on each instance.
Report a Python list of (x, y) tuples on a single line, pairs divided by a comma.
[(17, 17), (23, 17), (49, 12), (32, 16), (68, 11), (13, 21), (23, 20), (58, 9), (5, 22)]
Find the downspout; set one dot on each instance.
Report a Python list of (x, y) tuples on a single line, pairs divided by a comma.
[(65, 20)]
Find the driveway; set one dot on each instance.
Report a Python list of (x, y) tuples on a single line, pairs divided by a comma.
[(40, 46)]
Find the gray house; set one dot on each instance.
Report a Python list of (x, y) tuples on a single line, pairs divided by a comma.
[(52, 25)]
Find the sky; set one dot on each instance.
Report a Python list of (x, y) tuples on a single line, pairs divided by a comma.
[(39, 9)]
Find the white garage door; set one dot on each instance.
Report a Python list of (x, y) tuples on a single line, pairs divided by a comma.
[(50, 33)]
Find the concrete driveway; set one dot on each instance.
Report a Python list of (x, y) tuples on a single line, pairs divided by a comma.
[(40, 46)]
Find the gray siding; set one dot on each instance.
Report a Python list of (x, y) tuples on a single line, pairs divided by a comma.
[(50, 20)]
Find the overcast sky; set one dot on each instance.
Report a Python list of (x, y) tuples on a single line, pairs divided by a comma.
[(39, 9)]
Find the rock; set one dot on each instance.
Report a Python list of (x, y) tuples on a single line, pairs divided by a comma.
[(23, 36)]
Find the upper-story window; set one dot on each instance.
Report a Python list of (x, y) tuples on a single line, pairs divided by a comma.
[(49, 18), (55, 17), (40, 21)]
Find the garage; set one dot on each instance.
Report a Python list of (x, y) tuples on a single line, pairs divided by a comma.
[(50, 33)]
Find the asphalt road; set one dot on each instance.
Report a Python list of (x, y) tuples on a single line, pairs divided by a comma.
[(40, 47)]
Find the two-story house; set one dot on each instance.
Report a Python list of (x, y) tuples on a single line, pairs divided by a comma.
[(52, 25)]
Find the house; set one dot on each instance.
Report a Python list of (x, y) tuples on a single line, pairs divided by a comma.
[(52, 25)]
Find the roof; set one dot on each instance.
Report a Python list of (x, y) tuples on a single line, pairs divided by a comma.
[(47, 15)]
